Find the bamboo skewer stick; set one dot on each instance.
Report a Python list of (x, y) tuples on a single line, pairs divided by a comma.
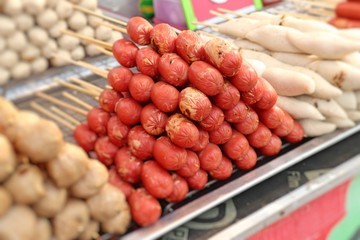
[(60, 103), (231, 12), (212, 25), (88, 39), (82, 9), (77, 100), (316, 3), (315, 11), (104, 51), (95, 69), (300, 15), (113, 27), (49, 114), (64, 115), (77, 88), (86, 84), (220, 15)]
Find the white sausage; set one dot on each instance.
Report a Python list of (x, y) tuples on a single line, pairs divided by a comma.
[(239, 27), (24, 21), (246, 44), (55, 31), (347, 100), (77, 21), (289, 83), (38, 36), (314, 128), (339, 73), (353, 115), (307, 25), (329, 108), (325, 45), (353, 59), (341, 122), (299, 109), (17, 41), (47, 18), (296, 59), (275, 42), (8, 59)]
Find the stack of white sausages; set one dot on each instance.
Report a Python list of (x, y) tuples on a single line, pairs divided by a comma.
[(31, 32), (313, 66)]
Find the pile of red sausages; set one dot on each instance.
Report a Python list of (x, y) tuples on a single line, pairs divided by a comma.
[(181, 111)]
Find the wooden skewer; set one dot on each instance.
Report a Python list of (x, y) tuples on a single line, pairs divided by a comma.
[(113, 27), (311, 10), (88, 39), (95, 69), (220, 15), (231, 12), (86, 84), (316, 3), (82, 9), (104, 51), (64, 115), (77, 100), (60, 103), (49, 114), (108, 87), (300, 15), (76, 88), (212, 25)]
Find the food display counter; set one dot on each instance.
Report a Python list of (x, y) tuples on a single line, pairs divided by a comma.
[(308, 190)]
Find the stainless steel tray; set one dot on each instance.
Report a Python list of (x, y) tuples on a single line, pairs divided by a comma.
[(196, 202)]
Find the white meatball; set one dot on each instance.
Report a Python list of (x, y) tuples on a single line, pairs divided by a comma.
[(91, 231), (34, 7), (39, 65), (21, 70), (78, 53), (64, 9), (19, 222), (115, 36), (52, 3), (96, 176), (49, 49), (77, 21), (42, 230), (5, 200), (26, 184), (7, 26), (24, 21), (60, 58), (69, 166), (93, 20), (87, 31), (118, 224), (53, 201), (91, 50), (7, 157), (75, 1), (55, 31), (2, 44), (17, 41), (47, 18), (68, 42), (38, 36), (4, 76), (103, 33), (8, 115), (71, 221), (13, 7), (89, 4), (8, 59), (30, 53)]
